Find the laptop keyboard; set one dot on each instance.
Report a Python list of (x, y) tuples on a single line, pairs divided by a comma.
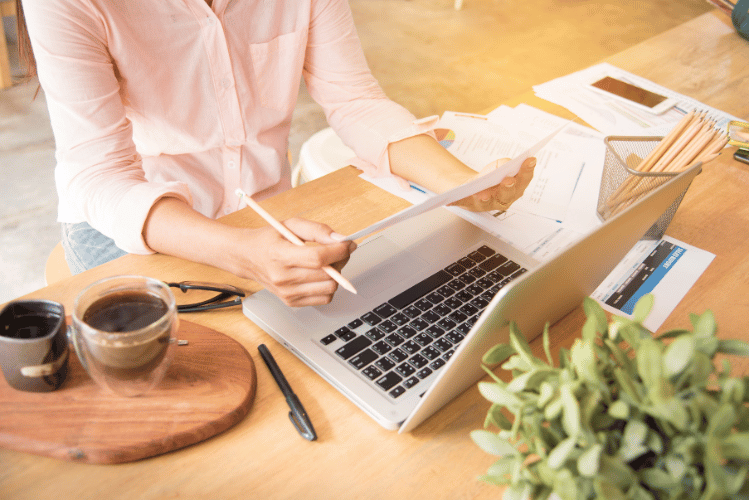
[(408, 338)]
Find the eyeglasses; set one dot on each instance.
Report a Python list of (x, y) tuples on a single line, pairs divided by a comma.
[(216, 300)]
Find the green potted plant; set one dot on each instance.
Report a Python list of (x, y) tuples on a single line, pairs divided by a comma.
[(622, 415)]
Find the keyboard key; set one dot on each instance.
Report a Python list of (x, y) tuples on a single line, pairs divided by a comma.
[(407, 332), (456, 284), (388, 380), (411, 382), (476, 289), (371, 318), (430, 353), (419, 324), (424, 373), (342, 331), (467, 262), (347, 336), (412, 312), (493, 262), (435, 298), (463, 296), (423, 305), (480, 302), (454, 302), (384, 364), (382, 348), (420, 289), (385, 310), (508, 268), (455, 269), (446, 324), (423, 339), (398, 355), (437, 364), (387, 326), (394, 339), (469, 309), (442, 309), (328, 339), (477, 272), (454, 337), (486, 251), (410, 347), (363, 359), (435, 331), (430, 316), (353, 347), (405, 369), (446, 291), (467, 279), (400, 319), (448, 355), (458, 316), (355, 324), (477, 256), (443, 345), (398, 391), (418, 361), (374, 334), (371, 372)]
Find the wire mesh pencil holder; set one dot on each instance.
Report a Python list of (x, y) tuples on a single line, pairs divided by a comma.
[(622, 185)]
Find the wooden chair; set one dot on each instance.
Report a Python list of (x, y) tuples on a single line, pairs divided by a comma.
[(7, 8)]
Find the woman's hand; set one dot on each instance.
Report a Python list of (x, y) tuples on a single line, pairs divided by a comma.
[(501, 196), (293, 273)]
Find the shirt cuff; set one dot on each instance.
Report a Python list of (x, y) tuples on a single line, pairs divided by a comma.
[(134, 208), (382, 167)]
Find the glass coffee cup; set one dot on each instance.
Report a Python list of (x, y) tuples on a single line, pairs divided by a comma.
[(123, 331)]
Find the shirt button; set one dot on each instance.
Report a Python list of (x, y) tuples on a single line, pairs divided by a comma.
[(227, 210), (226, 82), (211, 21), (230, 164)]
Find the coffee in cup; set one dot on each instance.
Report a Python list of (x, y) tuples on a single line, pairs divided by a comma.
[(123, 332)]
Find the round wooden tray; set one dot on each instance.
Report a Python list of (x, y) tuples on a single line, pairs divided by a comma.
[(209, 387)]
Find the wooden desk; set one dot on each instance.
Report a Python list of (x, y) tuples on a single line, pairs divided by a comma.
[(263, 457)]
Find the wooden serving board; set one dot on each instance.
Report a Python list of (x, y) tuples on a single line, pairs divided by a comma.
[(209, 387)]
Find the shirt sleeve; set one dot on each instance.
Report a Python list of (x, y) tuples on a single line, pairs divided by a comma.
[(338, 78), (99, 174)]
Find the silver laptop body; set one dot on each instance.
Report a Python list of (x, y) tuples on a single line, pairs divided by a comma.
[(387, 263)]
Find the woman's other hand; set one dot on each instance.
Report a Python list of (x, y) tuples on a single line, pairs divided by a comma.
[(501, 196)]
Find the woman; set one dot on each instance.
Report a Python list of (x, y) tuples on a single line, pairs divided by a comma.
[(161, 110)]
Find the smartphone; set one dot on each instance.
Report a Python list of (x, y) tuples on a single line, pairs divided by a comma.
[(632, 94)]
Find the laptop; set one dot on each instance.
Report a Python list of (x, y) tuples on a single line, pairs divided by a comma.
[(435, 292)]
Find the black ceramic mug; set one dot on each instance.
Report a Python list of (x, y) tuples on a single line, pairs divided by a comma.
[(33, 345)]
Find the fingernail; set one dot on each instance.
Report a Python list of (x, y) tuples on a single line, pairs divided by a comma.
[(484, 200), (352, 246), (337, 236), (510, 183), (532, 163)]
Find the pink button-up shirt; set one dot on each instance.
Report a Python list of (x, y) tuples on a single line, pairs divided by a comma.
[(153, 98)]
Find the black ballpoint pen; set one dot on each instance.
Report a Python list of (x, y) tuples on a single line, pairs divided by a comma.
[(298, 415)]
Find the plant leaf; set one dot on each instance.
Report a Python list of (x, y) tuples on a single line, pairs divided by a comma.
[(678, 354), (605, 489), (571, 411), (561, 452), (733, 346), (643, 307), (588, 462), (594, 310), (705, 325), (583, 358), (492, 443), (619, 409), (545, 341), (498, 354), (649, 361), (499, 395)]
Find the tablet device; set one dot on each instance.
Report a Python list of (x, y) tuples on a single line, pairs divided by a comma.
[(632, 94)]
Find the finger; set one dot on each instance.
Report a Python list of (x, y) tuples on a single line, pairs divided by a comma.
[(308, 230)]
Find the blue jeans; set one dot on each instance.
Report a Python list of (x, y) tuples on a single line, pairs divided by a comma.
[(85, 247)]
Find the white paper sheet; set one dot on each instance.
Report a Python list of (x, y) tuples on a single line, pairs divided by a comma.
[(486, 181)]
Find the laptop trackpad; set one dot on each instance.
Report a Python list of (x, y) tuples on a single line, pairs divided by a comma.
[(373, 267)]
